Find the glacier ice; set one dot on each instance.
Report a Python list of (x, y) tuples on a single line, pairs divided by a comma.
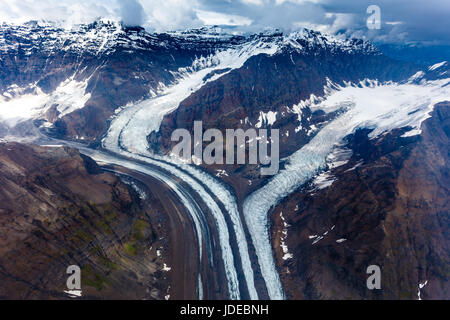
[(381, 107), (128, 135)]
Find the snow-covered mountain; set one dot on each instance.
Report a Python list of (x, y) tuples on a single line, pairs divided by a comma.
[(104, 66)]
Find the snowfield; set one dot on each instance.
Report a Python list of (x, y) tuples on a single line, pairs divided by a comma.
[(21, 104)]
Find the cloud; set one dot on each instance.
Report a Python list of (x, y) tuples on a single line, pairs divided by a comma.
[(417, 20), (216, 18), (165, 15), (131, 12), (402, 20), (69, 11), (253, 2)]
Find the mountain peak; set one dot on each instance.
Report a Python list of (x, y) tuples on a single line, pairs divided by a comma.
[(105, 36)]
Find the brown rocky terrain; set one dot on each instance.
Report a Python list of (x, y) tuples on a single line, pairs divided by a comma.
[(58, 208), (388, 206)]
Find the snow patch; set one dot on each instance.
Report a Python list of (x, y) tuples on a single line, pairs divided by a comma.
[(286, 254), (221, 173), (317, 239), (358, 164), (416, 76), (266, 119), (323, 180), (337, 158), (69, 96), (437, 65), (421, 285), (140, 192), (73, 293)]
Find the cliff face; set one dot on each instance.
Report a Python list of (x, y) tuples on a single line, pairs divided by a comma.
[(58, 208), (388, 206)]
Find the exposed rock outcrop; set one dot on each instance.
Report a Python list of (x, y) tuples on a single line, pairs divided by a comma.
[(58, 208)]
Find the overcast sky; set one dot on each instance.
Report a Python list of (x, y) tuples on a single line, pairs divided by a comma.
[(425, 21)]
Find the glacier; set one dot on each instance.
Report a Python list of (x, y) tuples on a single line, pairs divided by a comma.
[(128, 133), (368, 104), (138, 121)]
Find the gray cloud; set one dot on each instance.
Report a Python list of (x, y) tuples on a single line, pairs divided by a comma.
[(414, 20), (418, 20), (402, 20), (131, 12)]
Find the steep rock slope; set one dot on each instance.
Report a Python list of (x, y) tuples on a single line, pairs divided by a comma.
[(58, 208)]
